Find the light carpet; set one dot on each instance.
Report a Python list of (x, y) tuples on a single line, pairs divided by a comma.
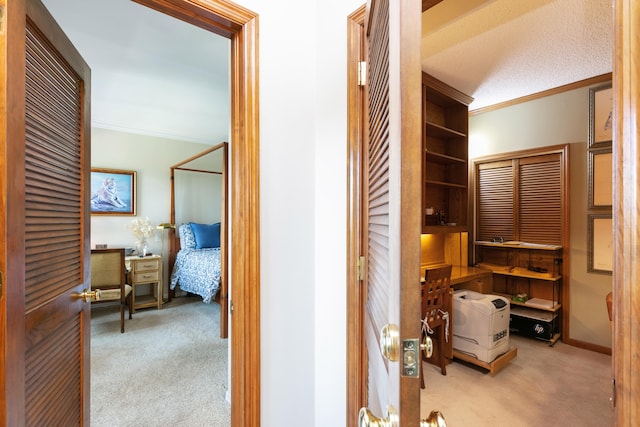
[(169, 368), (543, 386)]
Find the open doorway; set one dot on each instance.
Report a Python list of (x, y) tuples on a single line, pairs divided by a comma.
[(355, 209), (240, 27)]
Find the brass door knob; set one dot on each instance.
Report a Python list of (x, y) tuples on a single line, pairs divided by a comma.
[(427, 346), (435, 419), (88, 296), (390, 342), (367, 419)]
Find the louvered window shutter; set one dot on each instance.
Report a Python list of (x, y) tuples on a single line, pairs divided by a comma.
[(540, 199), (520, 199), (495, 201)]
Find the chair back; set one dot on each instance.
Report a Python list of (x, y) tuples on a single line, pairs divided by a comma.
[(108, 269), (435, 294)]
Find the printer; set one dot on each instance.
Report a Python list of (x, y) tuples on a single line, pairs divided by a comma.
[(480, 324)]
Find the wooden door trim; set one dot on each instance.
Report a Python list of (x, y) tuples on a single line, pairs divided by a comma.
[(626, 220), (356, 365), (12, 165), (240, 25)]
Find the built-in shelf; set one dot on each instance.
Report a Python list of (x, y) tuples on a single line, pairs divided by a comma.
[(444, 159), (443, 132), (531, 269), (445, 114)]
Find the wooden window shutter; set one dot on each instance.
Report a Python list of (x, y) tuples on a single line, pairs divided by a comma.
[(495, 200), (540, 199)]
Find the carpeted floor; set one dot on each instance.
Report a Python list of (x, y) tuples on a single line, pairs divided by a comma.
[(169, 368), (543, 386)]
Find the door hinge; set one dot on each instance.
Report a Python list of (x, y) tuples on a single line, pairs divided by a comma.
[(230, 306), (1, 283), (362, 73), (360, 268), (613, 393)]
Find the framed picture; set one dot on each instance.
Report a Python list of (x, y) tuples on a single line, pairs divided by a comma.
[(600, 176), (600, 116), (600, 244), (113, 192)]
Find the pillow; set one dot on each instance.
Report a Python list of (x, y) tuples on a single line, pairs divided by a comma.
[(187, 239), (207, 235)]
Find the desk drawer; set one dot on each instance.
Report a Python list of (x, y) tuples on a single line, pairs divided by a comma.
[(146, 265), (145, 276)]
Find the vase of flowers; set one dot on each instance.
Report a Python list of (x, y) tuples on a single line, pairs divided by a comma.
[(142, 230)]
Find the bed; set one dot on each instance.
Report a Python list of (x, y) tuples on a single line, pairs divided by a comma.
[(197, 269)]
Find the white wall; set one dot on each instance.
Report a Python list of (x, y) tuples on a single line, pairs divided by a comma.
[(302, 213), (553, 120), (151, 158)]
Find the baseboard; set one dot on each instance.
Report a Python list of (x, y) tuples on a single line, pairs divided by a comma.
[(589, 346)]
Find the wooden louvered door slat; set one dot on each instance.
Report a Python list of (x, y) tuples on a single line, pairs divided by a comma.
[(48, 219), (540, 199), (391, 187)]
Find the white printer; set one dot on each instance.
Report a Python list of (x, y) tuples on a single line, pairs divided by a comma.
[(480, 324)]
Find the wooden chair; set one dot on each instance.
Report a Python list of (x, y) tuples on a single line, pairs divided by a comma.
[(435, 311), (108, 279), (609, 300)]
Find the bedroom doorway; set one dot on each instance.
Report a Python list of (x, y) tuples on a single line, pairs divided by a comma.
[(240, 27)]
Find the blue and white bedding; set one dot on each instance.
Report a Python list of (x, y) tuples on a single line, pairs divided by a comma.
[(196, 270)]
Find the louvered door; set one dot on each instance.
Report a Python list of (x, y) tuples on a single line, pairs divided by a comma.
[(48, 227), (392, 201)]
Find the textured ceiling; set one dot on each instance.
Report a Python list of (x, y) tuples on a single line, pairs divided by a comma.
[(511, 48), (155, 75)]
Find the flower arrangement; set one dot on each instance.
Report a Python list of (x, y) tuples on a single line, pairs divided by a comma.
[(142, 230)]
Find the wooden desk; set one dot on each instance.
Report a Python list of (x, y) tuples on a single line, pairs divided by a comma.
[(467, 278), (479, 280)]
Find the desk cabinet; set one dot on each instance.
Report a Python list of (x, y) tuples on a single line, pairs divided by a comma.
[(529, 275), (145, 271)]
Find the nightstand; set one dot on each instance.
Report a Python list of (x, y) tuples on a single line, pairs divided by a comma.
[(145, 271)]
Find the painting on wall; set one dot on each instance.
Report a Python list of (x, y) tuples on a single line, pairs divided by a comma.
[(600, 244), (600, 116), (113, 192), (600, 179)]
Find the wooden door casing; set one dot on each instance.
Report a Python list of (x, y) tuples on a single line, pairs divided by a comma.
[(47, 222), (240, 25)]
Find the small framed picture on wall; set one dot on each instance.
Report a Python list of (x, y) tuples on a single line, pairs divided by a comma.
[(600, 179), (600, 244), (113, 192), (600, 116)]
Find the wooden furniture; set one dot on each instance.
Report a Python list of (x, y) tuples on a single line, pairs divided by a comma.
[(445, 115), (609, 301), (108, 279), (145, 271), (521, 268), (210, 161), (522, 197), (437, 312)]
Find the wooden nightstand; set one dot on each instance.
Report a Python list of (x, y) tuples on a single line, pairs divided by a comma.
[(145, 271)]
